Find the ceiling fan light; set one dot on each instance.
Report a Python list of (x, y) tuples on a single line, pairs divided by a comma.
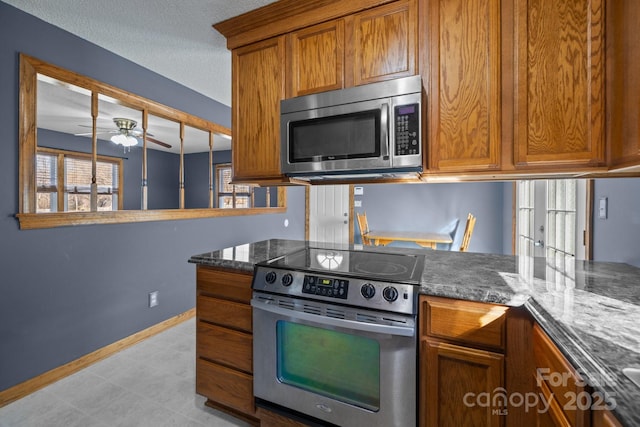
[(124, 140)]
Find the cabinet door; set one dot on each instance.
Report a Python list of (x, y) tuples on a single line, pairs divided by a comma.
[(465, 97), (623, 88), (559, 112), (381, 43), (258, 87), (452, 380), (316, 58)]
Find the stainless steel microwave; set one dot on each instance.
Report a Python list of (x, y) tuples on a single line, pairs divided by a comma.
[(369, 129)]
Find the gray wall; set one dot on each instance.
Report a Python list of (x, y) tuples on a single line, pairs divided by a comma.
[(67, 291), (617, 238), (431, 207)]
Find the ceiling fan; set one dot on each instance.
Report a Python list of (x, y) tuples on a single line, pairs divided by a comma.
[(127, 135)]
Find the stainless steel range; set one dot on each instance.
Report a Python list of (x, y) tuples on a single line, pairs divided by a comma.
[(335, 336)]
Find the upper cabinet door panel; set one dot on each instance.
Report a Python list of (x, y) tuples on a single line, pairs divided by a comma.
[(559, 82), (465, 104), (258, 87), (381, 43), (316, 56)]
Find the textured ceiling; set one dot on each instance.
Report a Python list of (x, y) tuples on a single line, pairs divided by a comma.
[(172, 38)]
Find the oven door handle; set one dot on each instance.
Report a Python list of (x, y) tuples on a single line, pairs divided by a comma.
[(405, 331)]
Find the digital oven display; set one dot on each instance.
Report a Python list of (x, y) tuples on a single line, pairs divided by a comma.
[(325, 286), (325, 282)]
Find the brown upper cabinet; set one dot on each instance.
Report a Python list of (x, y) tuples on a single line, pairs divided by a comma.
[(361, 44), (559, 107), (381, 43), (316, 58), (371, 46), (462, 52), (512, 87), (516, 85), (623, 82), (258, 86)]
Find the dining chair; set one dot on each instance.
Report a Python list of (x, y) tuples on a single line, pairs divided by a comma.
[(364, 227), (451, 230), (468, 230)]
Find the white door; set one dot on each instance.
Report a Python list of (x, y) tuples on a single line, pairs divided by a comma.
[(329, 213)]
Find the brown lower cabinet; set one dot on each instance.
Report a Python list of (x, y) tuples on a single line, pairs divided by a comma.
[(224, 341), (461, 362), (468, 352), (562, 387)]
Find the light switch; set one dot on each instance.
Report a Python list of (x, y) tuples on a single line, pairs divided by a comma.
[(358, 191), (357, 203), (602, 208)]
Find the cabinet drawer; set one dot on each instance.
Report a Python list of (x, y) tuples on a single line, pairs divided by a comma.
[(225, 313), (225, 386), (467, 322), (225, 346), (224, 284), (555, 373)]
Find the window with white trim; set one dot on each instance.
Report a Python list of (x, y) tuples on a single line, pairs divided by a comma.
[(64, 180), (229, 195)]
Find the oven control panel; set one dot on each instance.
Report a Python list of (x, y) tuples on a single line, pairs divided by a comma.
[(325, 286), (380, 295)]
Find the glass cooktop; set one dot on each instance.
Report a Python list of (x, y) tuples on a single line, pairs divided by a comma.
[(382, 266)]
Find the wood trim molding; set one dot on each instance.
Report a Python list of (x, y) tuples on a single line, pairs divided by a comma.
[(514, 217), (352, 213), (588, 232), (34, 384), (285, 16), (33, 221)]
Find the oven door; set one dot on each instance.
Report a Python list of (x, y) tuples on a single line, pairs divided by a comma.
[(347, 366)]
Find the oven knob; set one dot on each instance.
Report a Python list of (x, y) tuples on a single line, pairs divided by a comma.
[(287, 279), (270, 277), (390, 294), (367, 290)]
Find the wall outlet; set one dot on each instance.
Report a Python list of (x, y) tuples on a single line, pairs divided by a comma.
[(153, 298)]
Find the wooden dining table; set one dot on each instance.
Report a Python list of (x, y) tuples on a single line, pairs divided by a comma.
[(426, 239)]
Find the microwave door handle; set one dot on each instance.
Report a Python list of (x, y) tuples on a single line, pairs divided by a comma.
[(384, 131), (405, 331)]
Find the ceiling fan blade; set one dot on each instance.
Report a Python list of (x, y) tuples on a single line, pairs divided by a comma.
[(155, 141), (138, 133), (91, 127), (91, 133)]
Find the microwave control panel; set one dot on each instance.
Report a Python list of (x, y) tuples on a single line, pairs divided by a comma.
[(407, 129)]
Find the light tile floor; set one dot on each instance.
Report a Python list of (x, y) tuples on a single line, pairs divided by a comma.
[(149, 384)]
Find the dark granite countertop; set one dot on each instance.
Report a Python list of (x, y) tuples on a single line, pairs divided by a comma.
[(591, 310)]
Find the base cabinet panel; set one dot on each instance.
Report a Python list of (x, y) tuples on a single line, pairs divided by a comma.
[(225, 386), (461, 363), (227, 347), (224, 341), (457, 381)]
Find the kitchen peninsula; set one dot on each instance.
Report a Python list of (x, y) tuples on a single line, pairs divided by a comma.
[(589, 311)]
